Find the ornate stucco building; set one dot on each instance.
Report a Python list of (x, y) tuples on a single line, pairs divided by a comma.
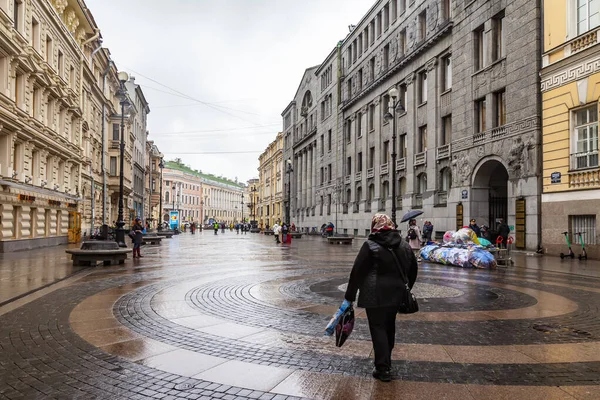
[(59, 118), (468, 129), (253, 196), (571, 172), (270, 188)]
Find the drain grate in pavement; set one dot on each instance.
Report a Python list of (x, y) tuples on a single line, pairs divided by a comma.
[(549, 329)]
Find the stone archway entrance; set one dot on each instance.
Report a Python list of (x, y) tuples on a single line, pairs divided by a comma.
[(489, 194)]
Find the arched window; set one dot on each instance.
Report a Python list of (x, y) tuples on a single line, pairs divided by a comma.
[(446, 179), (166, 197)]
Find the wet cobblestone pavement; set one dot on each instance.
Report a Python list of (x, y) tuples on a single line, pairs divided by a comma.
[(236, 316)]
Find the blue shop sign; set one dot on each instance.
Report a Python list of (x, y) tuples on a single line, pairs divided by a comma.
[(555, 177)]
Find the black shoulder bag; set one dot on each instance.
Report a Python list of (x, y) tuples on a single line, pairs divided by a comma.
[(408, 304)]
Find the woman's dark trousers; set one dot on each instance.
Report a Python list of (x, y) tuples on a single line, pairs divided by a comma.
[(382, 324)]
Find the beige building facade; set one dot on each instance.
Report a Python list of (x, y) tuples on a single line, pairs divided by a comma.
[(270, 187)]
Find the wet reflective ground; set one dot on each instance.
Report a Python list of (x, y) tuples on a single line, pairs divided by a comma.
[(237, 316)]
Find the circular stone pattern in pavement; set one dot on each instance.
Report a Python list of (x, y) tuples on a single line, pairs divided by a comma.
[(426, 291)]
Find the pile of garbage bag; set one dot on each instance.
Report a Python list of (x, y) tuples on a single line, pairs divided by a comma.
[(461, 248)]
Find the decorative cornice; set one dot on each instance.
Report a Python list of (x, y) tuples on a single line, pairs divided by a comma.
[(571, 74)]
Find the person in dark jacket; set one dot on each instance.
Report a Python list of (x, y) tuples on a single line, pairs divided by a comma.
[(376, 273), (474, 227), (137, 230), (503, 232)]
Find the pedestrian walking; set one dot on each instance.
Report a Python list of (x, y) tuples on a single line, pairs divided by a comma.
[(137, 231), (277, 233), (222, 227), (376, 273), (413, 237), (284, 233), (216, 228), (427, 231), (237, 229)]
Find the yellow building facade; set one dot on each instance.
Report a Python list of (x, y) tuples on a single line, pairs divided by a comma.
[(570, 85), (270, 187)]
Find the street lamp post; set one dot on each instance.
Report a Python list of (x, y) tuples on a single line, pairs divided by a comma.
[(253, 190), (120, 232), (161, 165), (288, 206), (391, 115), (242, 208)]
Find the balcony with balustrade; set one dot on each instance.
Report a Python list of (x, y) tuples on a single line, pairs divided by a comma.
[(358, 176), (421, 158), (585, 171), (370, 173), (443, 152), (383, 169), (401, 164)]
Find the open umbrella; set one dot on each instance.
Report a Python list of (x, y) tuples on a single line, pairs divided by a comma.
[(411, 214)]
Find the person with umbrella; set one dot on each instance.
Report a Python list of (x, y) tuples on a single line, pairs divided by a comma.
[(376, 272)]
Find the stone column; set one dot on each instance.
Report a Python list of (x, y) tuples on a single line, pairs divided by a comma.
[(305, 175), (298, 171), (314, 174), (309, 179)]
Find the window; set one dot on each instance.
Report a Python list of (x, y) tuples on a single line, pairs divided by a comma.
[(422, 183), (329, 172), (329, 140), (359, 162), (61, 64), (422, 142), (394, 9), (360, 45), (386, 152), (402, 43), (19, 9), (379, 24), (386, 17), (422, 87), (37, 97), (402, 6), (49, 49), (499, 42), (402, 150), (354, 51), (50, 113), (113, 169), (371, 157), (386, 56), (322, 175), (72, 77), (403, 97), (115, 135), (348, 131), (366, 38), (349, 88), (588, 15), (35, 34), (350, 54), (348, 165), (385, 105), (359, 125), (372, 69), (480, 107), (322, 144), (371, 117), (446, 73), (19, 90), (360, 80), (447, 9), (446, 130), (422, 25), (500, 110), (479, 48), (584, 224), (586, 138)]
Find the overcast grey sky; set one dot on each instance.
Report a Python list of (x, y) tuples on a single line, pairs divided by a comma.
[(236, 64)]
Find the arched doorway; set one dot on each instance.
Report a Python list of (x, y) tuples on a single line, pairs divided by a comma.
[(489, 193)]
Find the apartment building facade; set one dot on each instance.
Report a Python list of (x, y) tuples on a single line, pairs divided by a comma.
[(467, 132), (571, 171), (270, 189)]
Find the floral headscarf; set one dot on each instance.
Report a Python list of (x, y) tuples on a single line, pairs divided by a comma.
[(382, 222)]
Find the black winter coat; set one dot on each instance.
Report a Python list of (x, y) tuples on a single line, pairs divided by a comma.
[(376, 274)]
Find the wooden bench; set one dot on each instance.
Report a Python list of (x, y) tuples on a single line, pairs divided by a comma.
[(94, 252), (152, 239), (340, 239)]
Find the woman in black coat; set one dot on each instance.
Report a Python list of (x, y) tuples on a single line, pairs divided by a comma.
[(137, 231), (376, 273)]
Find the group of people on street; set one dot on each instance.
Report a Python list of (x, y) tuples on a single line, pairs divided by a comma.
[(281, 233), (499, 236)]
